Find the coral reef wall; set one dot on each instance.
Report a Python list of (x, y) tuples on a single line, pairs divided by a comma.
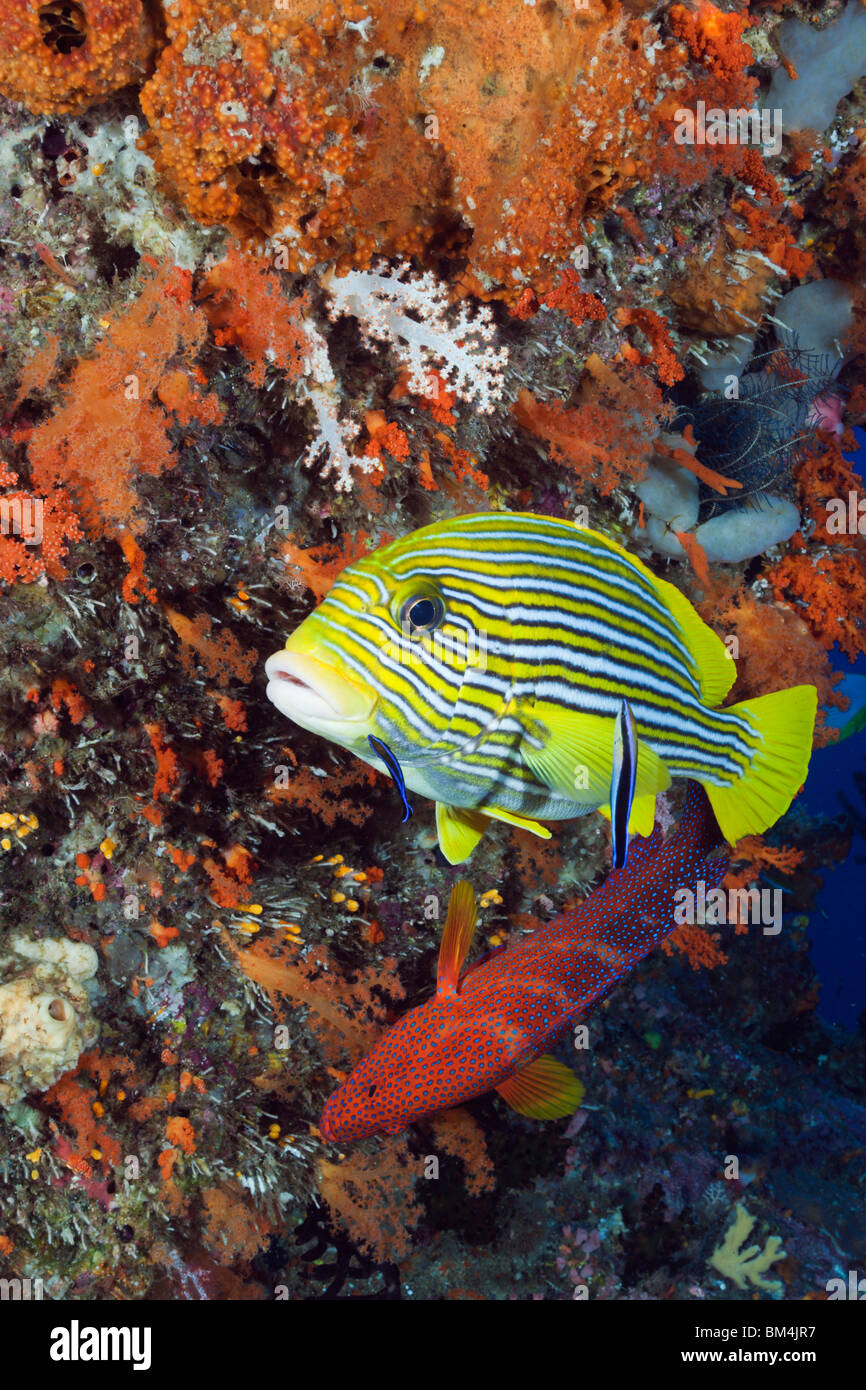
[(277, 284)]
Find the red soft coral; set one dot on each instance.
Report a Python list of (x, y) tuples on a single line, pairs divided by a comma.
[(243, 300), (607, 436), (112, 428), (829, 590), (27, 551)]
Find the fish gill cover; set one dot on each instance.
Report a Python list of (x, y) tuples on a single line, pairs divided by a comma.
[(281, 286)]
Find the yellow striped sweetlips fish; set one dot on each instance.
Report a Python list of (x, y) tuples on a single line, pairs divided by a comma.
[(492, 654)]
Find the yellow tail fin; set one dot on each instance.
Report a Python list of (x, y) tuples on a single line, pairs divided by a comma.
[(784, 722)]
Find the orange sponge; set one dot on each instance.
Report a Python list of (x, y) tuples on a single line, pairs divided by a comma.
[(64, 55)]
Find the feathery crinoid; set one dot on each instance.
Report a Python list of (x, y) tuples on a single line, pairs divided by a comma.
[(758, 437)]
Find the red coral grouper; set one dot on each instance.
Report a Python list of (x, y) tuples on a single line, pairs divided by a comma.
[(489, 1029)]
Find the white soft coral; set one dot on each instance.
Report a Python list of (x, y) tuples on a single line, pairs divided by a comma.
[(333, 435), (412, 314)]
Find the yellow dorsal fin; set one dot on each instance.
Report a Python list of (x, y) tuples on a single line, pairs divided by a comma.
[(715, 671), (522, 822), (543, 1090), (459, 831), (572, 753), (457, 937)]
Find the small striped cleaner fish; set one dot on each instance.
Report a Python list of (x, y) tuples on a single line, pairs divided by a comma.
[(492, 654), (489, 1027), (622, 783), (384, 752)]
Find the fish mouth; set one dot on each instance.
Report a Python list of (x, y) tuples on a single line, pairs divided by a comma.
[(305, 689)]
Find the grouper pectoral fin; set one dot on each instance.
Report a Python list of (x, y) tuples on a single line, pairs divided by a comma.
[(543, 1090), (459, 831)]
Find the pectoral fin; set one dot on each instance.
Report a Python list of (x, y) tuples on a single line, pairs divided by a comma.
[(652, 774), (543, 1090), (569, 753), (459, 831), (572, 753), (643, 814)]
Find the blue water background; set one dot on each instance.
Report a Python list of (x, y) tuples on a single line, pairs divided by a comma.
[(838, 923)]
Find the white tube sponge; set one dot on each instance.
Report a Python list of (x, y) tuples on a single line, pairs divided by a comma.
[(744, 532), (731, 360), (828, 62), (729, 537), (816, 316), (670, 497)]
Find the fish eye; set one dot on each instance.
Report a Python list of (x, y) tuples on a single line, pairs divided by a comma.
[(372, 1091), (422, 613)]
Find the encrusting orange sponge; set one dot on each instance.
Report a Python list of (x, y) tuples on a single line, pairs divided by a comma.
[(64, 55)]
